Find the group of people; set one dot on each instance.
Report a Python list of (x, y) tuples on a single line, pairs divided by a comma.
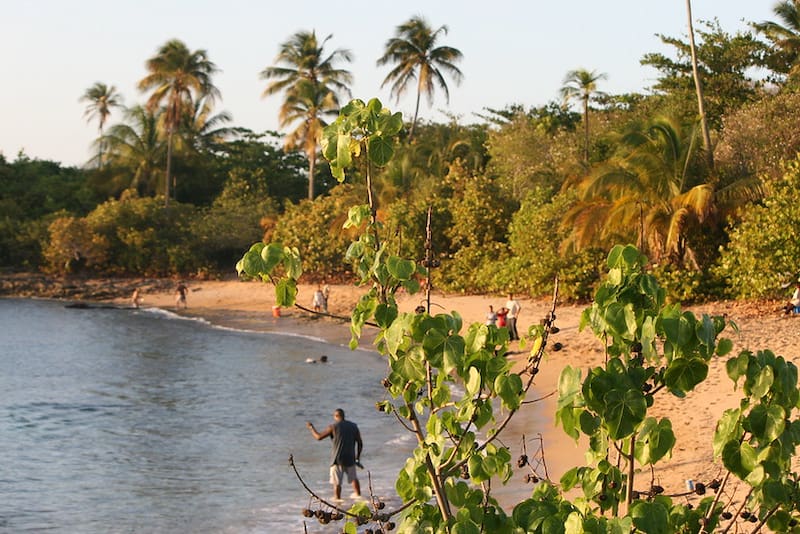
[(506, 317)]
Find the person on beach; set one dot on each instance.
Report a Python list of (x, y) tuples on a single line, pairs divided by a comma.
[(136, 299), (346, 452), (793, 306), (318, 302), (326, 292), (513, 313), (180, 296), (502, 313), (491, 316)]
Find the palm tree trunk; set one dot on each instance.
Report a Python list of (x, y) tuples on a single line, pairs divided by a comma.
[(586, 130), (416, 111), (312, 162), (699, 89), (169, 163)]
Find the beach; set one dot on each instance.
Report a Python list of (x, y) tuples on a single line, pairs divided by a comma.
[(761, 325)]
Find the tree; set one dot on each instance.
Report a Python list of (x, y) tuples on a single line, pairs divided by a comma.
[(100, 99), (650, 191), (456, 393), (178, 77), (725, 65), (581, 84), (415, 55), (311, 83), (698, 84), (785, 35), (135, 150)]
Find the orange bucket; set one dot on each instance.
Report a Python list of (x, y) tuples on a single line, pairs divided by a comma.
[(276, 311)]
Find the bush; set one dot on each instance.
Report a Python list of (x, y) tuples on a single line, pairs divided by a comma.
[(764, 249), (315, 227)]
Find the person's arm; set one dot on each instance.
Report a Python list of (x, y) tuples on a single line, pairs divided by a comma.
[(317, 435), (359, 445)]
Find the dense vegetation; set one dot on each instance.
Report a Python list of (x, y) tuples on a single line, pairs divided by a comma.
[(523, 195)]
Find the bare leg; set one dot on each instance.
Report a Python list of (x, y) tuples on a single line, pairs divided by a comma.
[(357, 487), (337, 492)]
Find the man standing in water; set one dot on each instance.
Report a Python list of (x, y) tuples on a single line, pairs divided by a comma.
[(347, 446)]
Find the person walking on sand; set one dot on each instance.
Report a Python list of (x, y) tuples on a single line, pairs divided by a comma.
[(513, 313), (180, 296), (346, 452), (326, 292), (502, 313)]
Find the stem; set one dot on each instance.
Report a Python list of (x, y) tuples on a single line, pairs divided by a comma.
[(764, 521), (433, 473), (629, 489)]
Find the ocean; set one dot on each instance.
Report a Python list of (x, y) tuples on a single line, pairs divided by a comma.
[(121, 420)]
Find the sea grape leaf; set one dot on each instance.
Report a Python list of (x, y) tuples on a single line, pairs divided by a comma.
[(286, 292), (655, 441), (380, 150), (767, 422), (272, 255), (650, 517), (759, 386), (400, 268), (683, 374), (625, 409)]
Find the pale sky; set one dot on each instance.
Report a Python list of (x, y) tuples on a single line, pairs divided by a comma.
[(51, 51)]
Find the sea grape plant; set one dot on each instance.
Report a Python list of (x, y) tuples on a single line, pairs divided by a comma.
[(455, 392)]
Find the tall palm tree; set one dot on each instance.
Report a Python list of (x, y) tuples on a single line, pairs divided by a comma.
[(136, 150), (698, 85), (177, 77), (785, 34), (203, 128), (581, 85), (311, 82), (416, 56), (100, 99)]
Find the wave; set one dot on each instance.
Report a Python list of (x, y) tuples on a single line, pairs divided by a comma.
[(167, 314)]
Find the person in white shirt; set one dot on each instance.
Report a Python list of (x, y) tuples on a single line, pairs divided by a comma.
[(513, 313), (491, 316)]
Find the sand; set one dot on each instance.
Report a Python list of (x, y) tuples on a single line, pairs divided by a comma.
[(761, 326)]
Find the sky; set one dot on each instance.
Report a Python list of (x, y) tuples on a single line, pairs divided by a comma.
[(515, 52)]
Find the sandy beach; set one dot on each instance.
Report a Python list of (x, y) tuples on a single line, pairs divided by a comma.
[(761, 326)]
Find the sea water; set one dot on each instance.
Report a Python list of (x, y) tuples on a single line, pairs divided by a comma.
[(121, 420)]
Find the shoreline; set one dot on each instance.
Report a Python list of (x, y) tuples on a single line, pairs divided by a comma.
[(248, 306)]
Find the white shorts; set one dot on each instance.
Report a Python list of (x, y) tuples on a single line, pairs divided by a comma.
[(338, 472)]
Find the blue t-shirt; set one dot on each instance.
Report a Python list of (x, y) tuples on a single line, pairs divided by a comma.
[(345, 436)]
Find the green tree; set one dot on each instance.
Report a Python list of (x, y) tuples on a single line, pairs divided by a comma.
[(698, 85), (136, 152), (456, 393), (177, 77), (416, 56), (311, 82), (725, 65), (763, 254), (581, 85), (100, 99), (785, 36), (649, 191)]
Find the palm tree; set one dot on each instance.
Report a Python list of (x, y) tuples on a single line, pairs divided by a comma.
[(581, 84), (136, 149), (100, 98), (178, 77), (698, 85), (203, 129), (785, 34), (648, 188), (311, 83), (415, 55)]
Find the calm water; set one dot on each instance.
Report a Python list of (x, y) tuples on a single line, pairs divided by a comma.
[(140, 421)]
